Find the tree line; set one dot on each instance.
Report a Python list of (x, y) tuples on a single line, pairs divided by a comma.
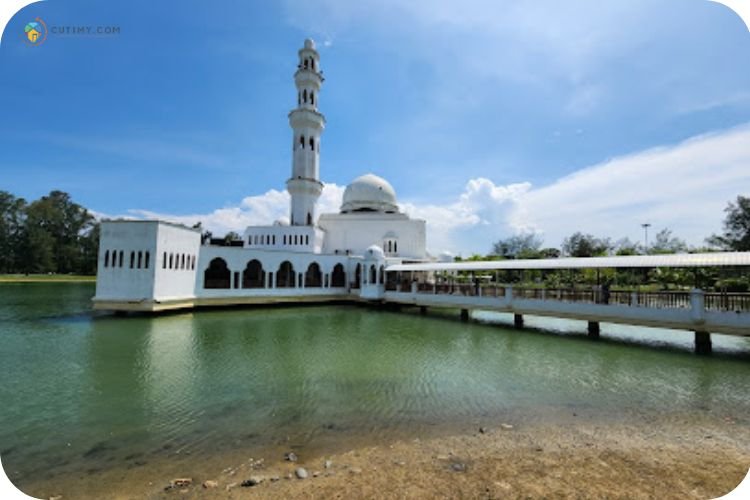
[(50, 235), (734, 237)]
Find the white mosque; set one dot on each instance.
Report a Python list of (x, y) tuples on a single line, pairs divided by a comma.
[(152, 265)]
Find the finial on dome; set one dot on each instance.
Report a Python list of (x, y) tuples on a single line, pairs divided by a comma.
[(309, 43)]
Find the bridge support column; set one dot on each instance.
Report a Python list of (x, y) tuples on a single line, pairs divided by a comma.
[(464, 315), (594, 329), (518, 320), (422, 310), (702, 343)]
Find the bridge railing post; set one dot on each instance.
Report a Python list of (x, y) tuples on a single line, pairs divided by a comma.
[(413, 287), (634, 299), (697, 305), (508, 295)]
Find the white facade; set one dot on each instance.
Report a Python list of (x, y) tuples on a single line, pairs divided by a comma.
[(155, 265)]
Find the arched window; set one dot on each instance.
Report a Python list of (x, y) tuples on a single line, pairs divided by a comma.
[(312, 144), (312, 97), (106, 258), (312, 63), (295, 239), (382, 275), (284, 239), (140, 259), (253, 275), (171, 261), (148, 260), (132, 260), (338, 277), (299, 99), (307, 236), (164, 261), (395, 247), (273, 239), (358, 276), (313, 276), (193, 263), (309, 219), (302, 141), (182, 261), (304, 92), (122, 256), (305, 64), (285, 276), (217, 275), (373, 275)]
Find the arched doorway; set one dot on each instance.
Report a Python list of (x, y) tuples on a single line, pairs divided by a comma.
[(217, 275), (285, 276), (253, 275), (338, 277), (382, 275), (313, 276), (373, 275), (357, 276)]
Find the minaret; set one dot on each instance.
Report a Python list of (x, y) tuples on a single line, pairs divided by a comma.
[(307, 124)]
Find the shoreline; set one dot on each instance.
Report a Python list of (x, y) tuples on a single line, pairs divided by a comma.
[(44, 278), (575, 457)]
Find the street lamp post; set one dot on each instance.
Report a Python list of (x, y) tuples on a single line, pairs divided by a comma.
[(645, 227)]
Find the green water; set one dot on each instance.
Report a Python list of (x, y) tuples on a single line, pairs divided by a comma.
[(83, 391)]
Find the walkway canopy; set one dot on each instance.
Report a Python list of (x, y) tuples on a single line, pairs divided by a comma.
[(718, 259)]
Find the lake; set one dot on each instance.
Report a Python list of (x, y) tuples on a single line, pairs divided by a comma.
[(83, 392)]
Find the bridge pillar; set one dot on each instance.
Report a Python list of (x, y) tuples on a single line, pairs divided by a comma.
[(422, 310), (594, 329), (518, 320), (702, 342), (464, 315)]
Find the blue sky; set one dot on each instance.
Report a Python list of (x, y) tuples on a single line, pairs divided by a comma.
[(488, 117)]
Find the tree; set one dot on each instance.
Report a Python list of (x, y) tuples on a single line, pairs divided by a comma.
[(585, 245), (519, 246), (231, 236), (666, 243), (736, 235), (12, 217), (54, 230), (627, 247)]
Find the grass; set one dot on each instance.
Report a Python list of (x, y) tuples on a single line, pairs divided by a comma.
[(46, 278)]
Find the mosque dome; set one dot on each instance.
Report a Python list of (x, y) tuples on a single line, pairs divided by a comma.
[(374, 252), (369, 193)]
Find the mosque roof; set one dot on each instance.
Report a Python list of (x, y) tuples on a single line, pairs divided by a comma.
[(369, 193)]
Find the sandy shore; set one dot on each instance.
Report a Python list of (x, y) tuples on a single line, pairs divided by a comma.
[(574, 458)]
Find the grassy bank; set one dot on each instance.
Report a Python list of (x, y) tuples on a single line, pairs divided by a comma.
[(46, 278)]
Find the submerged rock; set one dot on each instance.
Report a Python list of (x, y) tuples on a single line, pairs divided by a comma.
[(301, 473), (327, 464), (210, 484), (458, 467), (253, 481), (290, 457), (507, 427), (181, 482)]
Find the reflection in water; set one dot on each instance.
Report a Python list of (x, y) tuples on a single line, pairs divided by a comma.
[(102, 392)]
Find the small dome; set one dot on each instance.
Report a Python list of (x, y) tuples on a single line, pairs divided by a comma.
[(309, 43), (369, 193), (281, 221), (374, 252)]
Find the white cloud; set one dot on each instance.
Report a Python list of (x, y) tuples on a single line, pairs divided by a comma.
[(684, 187)]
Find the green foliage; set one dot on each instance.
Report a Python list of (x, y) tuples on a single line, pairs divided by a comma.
[(666, 243), (736, 235), (520, 246), (585, 245), (50, 235)]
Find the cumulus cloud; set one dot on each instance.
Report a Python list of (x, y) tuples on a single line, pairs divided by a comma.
[(684, 187)]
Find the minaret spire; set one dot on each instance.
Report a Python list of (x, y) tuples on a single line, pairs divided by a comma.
[(307, 124)]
